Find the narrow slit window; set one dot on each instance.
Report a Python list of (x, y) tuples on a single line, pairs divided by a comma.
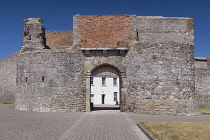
[(43, 78), (26, 79)]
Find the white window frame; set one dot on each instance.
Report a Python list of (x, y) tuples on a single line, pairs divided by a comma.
[(114, 81)]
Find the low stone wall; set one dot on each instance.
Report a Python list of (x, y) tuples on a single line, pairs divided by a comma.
[(8, 78), (202, 86)]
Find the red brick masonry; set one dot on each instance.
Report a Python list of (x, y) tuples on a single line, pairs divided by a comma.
[(59, 38), (104, 30)]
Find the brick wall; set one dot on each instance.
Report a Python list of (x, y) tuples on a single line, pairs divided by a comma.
[(102, 30), (59, 38)]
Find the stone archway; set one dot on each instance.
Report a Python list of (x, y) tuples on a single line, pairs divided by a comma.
[(107, 70)]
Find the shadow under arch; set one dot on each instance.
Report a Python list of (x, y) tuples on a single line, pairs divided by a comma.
[(106, 69), (105, 65)]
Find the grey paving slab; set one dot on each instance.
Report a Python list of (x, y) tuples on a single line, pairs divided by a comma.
[(104, 125), (22, 125), (97, 125)]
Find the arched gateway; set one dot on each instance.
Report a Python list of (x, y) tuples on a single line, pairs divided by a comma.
[(105, 85)]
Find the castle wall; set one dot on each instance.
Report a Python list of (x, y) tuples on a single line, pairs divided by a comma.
[(202, 82), (8, 78), (201, 63), (160, 67), (154, 57), (50, 82)]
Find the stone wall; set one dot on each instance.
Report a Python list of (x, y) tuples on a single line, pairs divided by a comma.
[(154, 56), (200, 63), (160, 67), (202, 82), (47, 80), (8, 78), (50, 82)]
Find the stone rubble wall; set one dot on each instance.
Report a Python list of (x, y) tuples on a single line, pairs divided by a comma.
[(8, 78), (157, 68), (160, 67), (50, 82), (202, 82), (200, 64)]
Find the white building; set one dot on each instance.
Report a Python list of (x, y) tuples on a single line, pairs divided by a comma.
[(105, 86)]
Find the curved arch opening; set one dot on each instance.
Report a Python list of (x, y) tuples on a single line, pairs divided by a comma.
[(105, 88)]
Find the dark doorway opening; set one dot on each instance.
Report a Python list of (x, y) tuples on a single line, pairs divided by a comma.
[(103, 98), (106, 108)]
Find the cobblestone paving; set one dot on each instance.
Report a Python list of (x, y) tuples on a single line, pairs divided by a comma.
[(104, 126)]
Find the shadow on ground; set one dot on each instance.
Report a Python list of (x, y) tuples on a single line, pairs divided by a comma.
[(105, 107)]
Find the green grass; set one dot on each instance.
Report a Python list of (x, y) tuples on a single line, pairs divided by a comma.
[(179, 130), (204, 110), (5, 102)]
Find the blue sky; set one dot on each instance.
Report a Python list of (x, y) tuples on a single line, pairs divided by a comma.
[(58, 15)]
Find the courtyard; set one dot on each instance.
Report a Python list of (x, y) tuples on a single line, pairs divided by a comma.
[(106, 124)]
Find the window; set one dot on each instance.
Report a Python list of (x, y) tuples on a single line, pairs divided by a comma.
[(92, 98), (115, 81), (115, 96), (91, 80), (43, 79), (103, 81), (26, 79)]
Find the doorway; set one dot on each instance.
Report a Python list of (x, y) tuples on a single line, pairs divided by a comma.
[(103, 97), (105, 86)]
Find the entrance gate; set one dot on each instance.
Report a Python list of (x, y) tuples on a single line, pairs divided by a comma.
[(105, 84)]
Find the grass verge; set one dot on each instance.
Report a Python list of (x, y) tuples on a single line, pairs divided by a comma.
[(179, 130), (5, 102), (204, 110)]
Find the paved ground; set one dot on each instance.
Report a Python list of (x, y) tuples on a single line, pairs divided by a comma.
[(97, 125)]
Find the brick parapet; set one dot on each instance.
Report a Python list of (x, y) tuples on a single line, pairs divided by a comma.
[(102, 30), (58, 39)]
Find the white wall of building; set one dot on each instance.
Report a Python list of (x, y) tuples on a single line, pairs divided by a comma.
[(98, 90)]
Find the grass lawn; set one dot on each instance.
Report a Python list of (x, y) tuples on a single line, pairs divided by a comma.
[(205, 110), (179, 130), (4, 102)]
